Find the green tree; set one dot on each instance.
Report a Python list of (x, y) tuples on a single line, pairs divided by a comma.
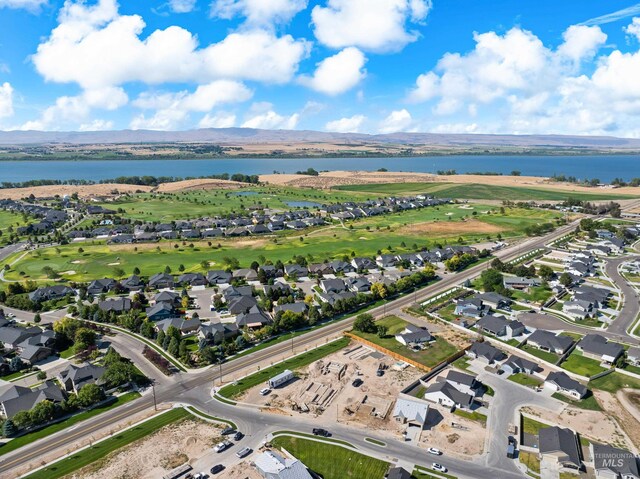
[(9, 428), (22, 419), (491, 279), (90, 394), (43, 412), (160, 337), (136, 270), (382, 331), (174, 347), (37, 318), (364, 323), (545, 272), (565, 279)]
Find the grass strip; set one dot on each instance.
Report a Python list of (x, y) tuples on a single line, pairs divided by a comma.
[(375, 441), (100, 450), (31, 437), (312, 436), (197, 412)]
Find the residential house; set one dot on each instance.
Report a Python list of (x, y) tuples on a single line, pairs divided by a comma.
[(160, 311), (398, 473), (118, 305), (161, 281), (48, 293), (343, 267), (193, 279), (185, 326), (132, 283), (562, 383), (386, 260), (358, 285), (246, 274), (523, 284), (363, 264), (516, 364), (613, 463), (447, 395), (486, 352), (412, 412), (272, 465), (633, 356), (560, 445), (413, 335), (333, 285), (216, 333), (253, 318), (320, 269), (597, 347), (219, 277), (14, 399), (73, 378), (295, 271), (547, 341), (471, 308), (169, 297), (99, 286), (579, 309), (241, 304), (298, 308), (463, 382), (494, 300)]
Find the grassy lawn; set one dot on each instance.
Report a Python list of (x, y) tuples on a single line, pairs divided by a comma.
[(434, 353), (413, 229), (197, 412), (447, 313), (473, 416), (422, 473), (544, 355), (234, 389), (531, 426), (525, 380), (475, 191), (101, 449), (537, 294), (311, 436), (589, 402), (530, 460), (614, 382), (577, 363), (8, 220), (332, 462), (28, 438), (462, 362)]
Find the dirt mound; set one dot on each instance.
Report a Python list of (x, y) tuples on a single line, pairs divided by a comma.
[(200, 184), (106, 190)]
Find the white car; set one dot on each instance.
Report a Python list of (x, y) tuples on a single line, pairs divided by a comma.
[(437, 467), (434, 451), (264, 391), (221, 446), (245, 451)]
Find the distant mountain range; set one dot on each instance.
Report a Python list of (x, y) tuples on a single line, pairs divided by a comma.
[(239, 136)]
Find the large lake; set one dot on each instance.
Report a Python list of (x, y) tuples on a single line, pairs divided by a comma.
[(604, 167)]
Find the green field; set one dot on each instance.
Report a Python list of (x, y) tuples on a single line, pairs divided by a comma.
[(531, 426), (28, 438), (537, 294), (101, 449), (476, 191), (9, 219), (166, 207), (401, 232), (332, 462), (432, 355), (234, 389)]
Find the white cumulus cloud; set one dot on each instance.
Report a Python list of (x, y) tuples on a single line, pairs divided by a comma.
[(218, 120), (182, 6), (6, 100), (399, 120), (346, 125), (31, 5), (338, 73), (262, 116), (96, 125), (372, 25), (258, 12)]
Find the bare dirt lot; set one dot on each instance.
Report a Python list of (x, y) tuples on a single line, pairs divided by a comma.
[(325, 388), (453, 227), (84, 191), (152, 457), (464, 439), (596, 426), (199, 184), (335, 178)]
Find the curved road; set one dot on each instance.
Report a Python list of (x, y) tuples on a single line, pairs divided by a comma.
[(181, 383)]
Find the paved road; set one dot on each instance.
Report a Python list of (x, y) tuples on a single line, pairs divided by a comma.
[(629, 312), (182, 383), (10, 249)]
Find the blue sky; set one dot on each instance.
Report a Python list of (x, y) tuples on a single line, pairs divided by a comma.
[(373, 66)]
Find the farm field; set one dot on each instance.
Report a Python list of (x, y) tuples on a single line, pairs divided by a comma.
[(401, 232), (164, 207), (478, 191)]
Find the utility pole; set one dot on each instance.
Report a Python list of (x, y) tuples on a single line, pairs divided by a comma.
[(153, 389), (220, 365)]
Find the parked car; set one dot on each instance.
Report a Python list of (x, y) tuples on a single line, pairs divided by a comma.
[(221, 446), (200, 475), (357, 383), (245, 451), (228, 431), (434, 451), (437, 467), (321, 432), (264, 391), (217, 468), (237, 436), (380, 372)]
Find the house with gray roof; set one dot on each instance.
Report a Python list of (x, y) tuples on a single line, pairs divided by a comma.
[(241, 304), (295, 271), (74, 378), (471, 308), (161, 281), (486, 352), (16, 398), (411, 411), (48, 293), (560, 445), (185, 326), (193, 279), (516, 364), (273, 465), (117, 305), (523, 284), (413, 335), (597, 347), (333, 285), (494, 300), (398, 473), (216, 333), (547, 341), (99, 286), (462, 381), (132, 283), (160, 311), (613, 463), (447, 395), (219, 277), (298, 308), (253, 318), (561, 382)]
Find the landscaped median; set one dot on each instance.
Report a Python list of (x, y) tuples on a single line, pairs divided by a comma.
[(100, 449), (31, 437), (236, 388)]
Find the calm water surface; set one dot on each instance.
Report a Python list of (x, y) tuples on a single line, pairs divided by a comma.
[(604, 167)]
